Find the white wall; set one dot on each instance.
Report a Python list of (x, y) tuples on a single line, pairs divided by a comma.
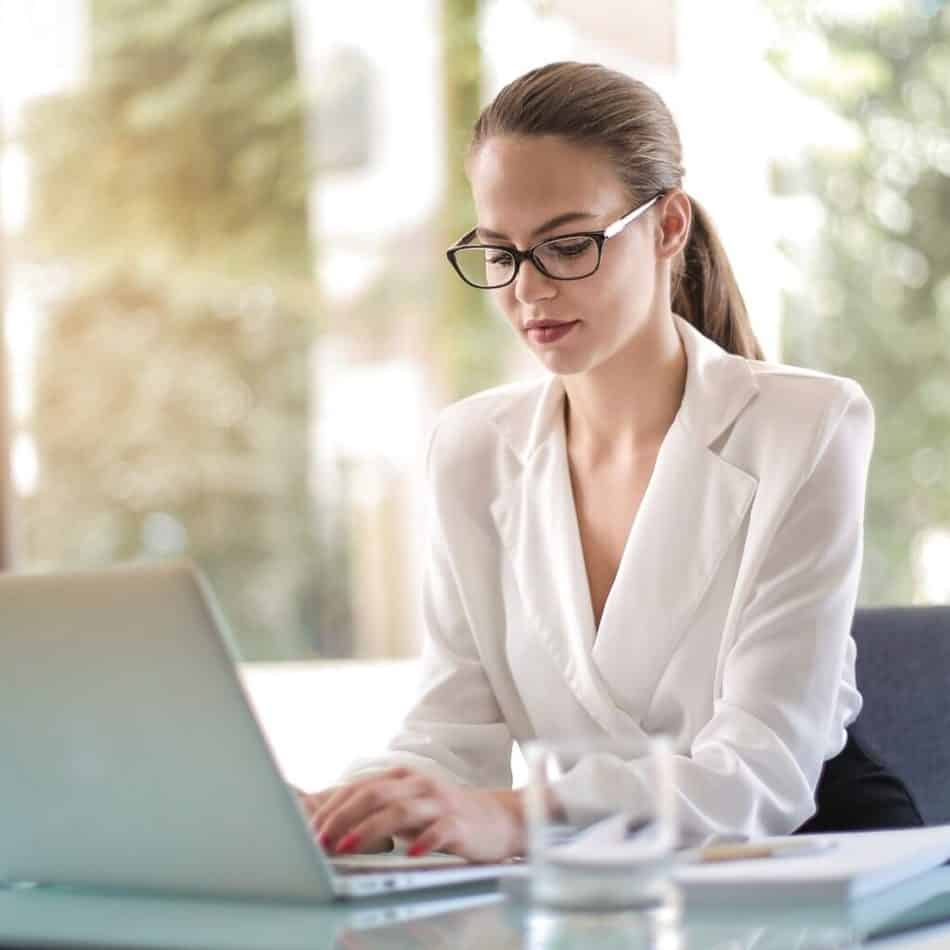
[(320, 716)]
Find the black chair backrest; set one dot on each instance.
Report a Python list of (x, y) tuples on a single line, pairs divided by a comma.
[(903, 672)]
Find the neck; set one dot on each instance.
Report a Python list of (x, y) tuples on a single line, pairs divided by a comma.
[(626, 406)]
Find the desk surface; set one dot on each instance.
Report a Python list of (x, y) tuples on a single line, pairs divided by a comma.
[(473, 918)]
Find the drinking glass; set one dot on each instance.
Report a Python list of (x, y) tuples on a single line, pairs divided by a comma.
[(601, 822)]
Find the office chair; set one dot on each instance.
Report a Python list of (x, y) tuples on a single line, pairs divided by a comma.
[(895, 769)]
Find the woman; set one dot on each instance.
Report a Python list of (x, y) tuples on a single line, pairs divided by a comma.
[(662, 536)]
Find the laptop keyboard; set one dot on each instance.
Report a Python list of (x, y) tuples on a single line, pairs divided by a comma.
[(377, 864)]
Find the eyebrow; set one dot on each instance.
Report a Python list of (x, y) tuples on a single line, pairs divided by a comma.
[(553, 223)]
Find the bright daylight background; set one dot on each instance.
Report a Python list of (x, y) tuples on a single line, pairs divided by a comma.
[(229, 322)]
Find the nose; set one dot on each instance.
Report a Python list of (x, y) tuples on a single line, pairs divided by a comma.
[(531, 284)]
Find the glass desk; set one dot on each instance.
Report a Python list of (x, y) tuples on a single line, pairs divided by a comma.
[(472, 918)]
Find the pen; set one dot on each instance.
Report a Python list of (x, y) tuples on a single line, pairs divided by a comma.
[(750, 852)]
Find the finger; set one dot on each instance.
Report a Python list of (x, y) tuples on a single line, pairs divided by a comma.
[(338, 794), (312, 802), (442, 835), (334, 801), (406, 816), (341, 815)]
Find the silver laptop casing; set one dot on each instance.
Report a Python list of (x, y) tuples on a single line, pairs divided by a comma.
[(132, 758)]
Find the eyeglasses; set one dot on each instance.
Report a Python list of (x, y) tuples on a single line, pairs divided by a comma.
[(566, 257)]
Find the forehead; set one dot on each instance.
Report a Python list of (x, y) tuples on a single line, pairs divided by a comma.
[(517, 183)]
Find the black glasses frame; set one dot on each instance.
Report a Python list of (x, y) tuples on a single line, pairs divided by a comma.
[(599, 236)]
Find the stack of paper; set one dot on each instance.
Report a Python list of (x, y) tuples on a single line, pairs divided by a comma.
[(857, 865)]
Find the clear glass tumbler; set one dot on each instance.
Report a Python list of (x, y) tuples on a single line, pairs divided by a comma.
[(601, 822)]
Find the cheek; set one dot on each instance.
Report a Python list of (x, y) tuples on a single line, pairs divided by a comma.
[(505, 302), (627, 283), (603, 296)]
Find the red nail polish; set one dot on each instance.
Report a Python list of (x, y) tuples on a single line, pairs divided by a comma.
[(416, 850), (348, 843), (324, 839)]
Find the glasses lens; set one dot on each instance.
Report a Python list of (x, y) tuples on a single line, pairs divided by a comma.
[(569, 257), (485, 266)]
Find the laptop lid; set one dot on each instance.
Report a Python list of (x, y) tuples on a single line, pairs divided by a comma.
[(131, 756)]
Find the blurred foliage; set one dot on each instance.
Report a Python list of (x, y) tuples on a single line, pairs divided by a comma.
[(416, 303), (172, 392), (470, 339), (876, 298), (188, 141), (172, 399)]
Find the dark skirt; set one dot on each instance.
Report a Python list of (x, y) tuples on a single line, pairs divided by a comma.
[(857, 793)]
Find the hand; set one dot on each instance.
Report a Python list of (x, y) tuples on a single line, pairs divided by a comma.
[(311, 801), (434, 814)]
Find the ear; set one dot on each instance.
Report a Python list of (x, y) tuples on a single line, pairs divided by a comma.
[(673, 219)]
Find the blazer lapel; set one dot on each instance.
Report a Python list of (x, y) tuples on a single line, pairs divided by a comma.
[(693, 508), (691, 512), (536, 522)]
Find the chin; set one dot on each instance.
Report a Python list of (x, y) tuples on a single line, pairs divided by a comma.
[(564, 364)]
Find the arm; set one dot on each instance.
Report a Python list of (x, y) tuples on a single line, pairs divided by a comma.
[(754, 766), (454, 737), (455, 728)]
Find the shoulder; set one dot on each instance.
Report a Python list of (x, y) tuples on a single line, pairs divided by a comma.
[(466, 432), (796, 416), (788, 378), (794, 397), (754, 404)]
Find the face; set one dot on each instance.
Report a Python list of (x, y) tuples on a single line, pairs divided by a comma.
[(519, 185)]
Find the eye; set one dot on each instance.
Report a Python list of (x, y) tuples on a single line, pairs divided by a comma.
[(499, 257), (572, 248)]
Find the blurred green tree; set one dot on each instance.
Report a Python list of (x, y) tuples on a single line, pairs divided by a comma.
[(469, 340), (416, 303), (875, 299), (172, 396)]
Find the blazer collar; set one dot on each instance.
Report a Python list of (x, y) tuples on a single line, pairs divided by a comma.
[(719, 386)]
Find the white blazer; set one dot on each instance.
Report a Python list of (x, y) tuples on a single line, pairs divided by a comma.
[(728, 624)]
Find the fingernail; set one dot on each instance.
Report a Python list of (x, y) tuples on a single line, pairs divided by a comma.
[(416, 850), (324, 839), (348, 843)]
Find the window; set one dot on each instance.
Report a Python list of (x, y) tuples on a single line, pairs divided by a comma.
[(229, 323)]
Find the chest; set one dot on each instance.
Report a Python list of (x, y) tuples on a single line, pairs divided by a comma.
[(606, 503), (676, 549)]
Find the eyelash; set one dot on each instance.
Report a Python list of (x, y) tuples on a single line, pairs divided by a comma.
[(573, 250)]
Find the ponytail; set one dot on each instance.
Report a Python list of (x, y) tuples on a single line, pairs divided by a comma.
[(705, 291)]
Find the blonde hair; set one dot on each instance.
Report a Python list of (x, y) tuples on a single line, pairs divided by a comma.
[(590, 105)]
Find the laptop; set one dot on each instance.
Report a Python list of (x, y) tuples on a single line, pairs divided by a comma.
[(133, 760)]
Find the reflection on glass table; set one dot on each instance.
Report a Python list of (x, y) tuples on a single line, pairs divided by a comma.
[(903, 918), (913, 916)]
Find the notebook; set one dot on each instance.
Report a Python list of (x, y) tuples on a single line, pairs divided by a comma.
[(919, 904), (857, 865), (132, 758)]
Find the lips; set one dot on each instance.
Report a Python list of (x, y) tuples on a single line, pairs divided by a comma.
[(549, 331), (547, 324)]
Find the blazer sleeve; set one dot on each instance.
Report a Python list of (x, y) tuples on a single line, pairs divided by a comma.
[(455, 727), (754, 766)]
